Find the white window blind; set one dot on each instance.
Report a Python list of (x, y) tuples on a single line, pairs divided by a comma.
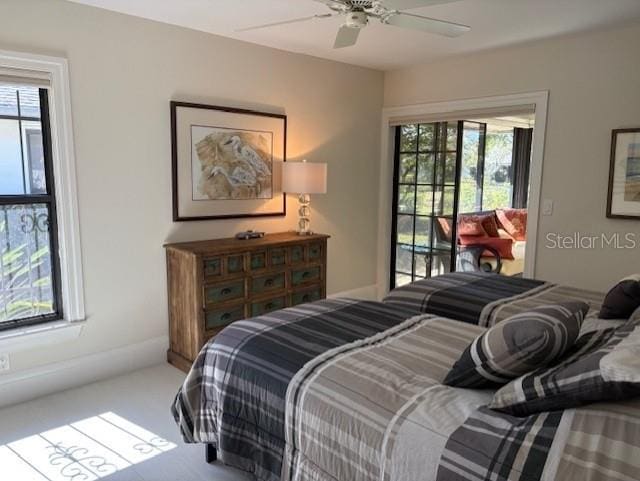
[(17, 76)]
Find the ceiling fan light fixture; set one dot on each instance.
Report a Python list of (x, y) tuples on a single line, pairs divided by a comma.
[(363, 3), (356, 19)]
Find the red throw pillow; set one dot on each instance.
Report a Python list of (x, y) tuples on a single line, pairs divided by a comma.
[(503, 246), (503, 234), (445, 228), (470, 228), (514, 221), (490, 225), (470, 225), (478, 224)]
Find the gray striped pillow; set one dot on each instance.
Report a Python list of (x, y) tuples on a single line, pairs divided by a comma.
[(518, 345), (600, 367)]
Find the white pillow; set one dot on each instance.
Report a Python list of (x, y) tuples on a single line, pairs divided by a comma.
[(623, 363), (632, 277)]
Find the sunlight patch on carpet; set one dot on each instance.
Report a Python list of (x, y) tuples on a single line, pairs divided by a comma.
[(86, 450)]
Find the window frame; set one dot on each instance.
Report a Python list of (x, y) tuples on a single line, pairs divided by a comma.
[(64, 219), (48, 199)]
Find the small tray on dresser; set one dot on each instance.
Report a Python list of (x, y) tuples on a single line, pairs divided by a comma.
[(216, 282)]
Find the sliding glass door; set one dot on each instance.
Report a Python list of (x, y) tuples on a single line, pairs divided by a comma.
[(424, 201), (444, 169)]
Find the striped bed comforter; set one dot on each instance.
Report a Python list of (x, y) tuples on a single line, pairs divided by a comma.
[(344, 390), (485, 299), (376, 410), (234, 395)]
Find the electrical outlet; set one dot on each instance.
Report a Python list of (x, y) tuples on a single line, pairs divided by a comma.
[(5, 364)]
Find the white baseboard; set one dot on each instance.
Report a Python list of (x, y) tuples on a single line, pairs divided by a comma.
[(33, 383), (367, 293)]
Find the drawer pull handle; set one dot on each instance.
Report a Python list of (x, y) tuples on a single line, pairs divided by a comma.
[(226, 316), (268, 282), (305, 298), (269, 305), (226, 291), (306, 275)]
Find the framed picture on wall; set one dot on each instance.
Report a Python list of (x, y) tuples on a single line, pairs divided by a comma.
[(226, 162), (624, 175)]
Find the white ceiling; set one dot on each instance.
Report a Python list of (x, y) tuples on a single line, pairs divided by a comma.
[(495, 23)]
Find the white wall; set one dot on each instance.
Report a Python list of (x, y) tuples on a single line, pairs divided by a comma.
[(594, 85), (124, 71)]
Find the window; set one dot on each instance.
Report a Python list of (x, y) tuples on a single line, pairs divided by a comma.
[(472, 167), (497, 190), (41, 292), (486, 180), (29, 264)]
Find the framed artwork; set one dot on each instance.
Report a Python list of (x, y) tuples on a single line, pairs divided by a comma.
[(226, 162), (624, 175)]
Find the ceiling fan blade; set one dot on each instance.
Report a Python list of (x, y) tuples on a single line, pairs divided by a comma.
[(332, 3), (285, 22), (347, 36), (407, 4), (426, 24)]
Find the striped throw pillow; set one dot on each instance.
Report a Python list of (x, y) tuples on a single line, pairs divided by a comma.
[(518, 345), (602, 366)]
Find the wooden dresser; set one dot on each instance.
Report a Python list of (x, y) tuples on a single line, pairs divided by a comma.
[(213, 283)]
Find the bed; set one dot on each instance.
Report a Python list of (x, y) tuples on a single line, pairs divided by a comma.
[(343, 389)]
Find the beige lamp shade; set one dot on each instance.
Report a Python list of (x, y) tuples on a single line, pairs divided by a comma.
[(304, 178)]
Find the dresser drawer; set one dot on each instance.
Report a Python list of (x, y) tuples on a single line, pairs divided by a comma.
[(224, 292), (304, 276), (278, 257), (235, 264), (268, 283), (296, 254), (306, 295), (212, 267), (258, 260), (315, 251), (268, 305), (222, 317)]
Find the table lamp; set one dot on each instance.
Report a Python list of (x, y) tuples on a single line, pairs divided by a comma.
[(304, 178)]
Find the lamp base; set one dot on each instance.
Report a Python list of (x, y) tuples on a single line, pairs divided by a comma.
[(303, 215), (305, 232)]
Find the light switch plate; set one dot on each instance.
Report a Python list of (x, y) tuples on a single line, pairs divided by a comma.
[(547, 207), (5, 363)]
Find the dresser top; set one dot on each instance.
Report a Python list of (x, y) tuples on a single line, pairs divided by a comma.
[(232, 244)]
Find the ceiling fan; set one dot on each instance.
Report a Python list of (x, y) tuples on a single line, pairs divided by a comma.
[(389, 12)]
